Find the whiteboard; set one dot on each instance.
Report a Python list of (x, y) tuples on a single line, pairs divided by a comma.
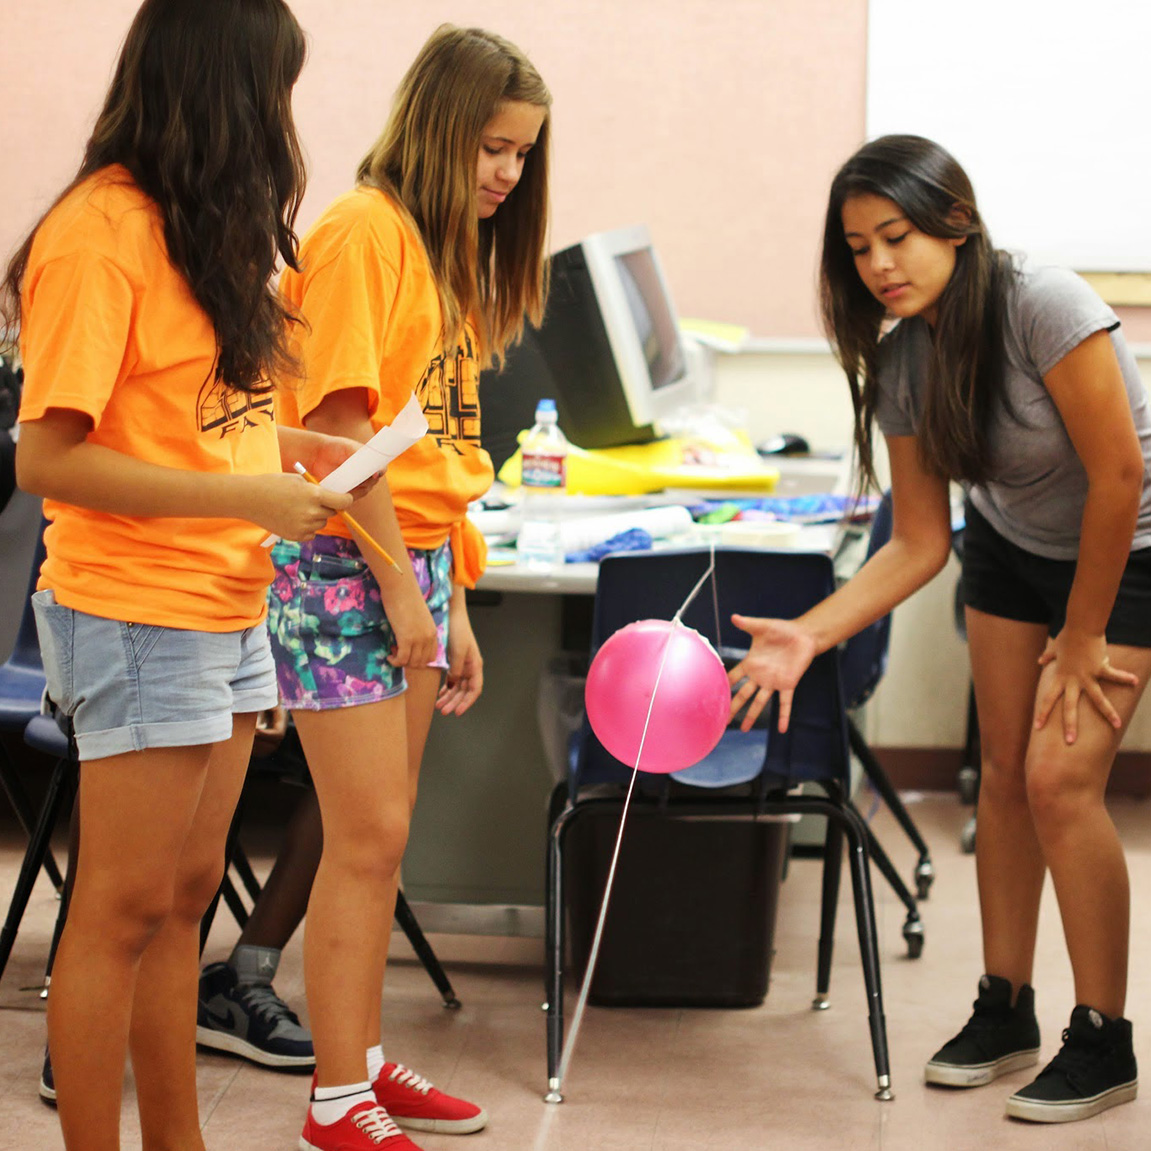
[(1047, 105)]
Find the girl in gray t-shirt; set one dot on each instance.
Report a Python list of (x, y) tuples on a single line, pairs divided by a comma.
[(1016, 383)]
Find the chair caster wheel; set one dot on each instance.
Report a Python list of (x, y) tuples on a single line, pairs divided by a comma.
[(968, 783), (924, 878), (913, 934), (967, 837), (452, 1004)]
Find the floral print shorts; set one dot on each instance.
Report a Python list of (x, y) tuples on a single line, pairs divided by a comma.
[(330, 636)]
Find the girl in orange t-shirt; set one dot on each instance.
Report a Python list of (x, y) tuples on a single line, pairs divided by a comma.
[(148, 333), (407, 285)]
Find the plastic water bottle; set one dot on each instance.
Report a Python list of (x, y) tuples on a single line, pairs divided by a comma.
[(544, 454)]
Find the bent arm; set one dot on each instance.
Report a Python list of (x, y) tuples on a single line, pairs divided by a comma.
[(1088, 389), (56, 460), (345, 413)]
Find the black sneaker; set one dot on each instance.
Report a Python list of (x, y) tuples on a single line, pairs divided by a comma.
[(1094, 1070), (249, 1020), (998, 1038), (47, 1083)]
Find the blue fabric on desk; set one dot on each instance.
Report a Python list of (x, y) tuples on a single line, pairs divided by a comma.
[(632, 540), (826, 508)]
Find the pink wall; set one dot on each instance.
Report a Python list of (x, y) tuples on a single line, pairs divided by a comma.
[(718, 123)]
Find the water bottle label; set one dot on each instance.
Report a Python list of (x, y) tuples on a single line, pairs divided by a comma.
[(545, 471)]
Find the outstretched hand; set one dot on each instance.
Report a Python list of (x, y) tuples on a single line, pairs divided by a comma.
[(1076, 665), (781, 651)]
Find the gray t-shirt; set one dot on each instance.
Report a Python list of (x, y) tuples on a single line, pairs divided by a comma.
[(1039, 487)]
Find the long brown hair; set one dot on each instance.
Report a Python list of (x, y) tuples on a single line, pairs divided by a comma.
[(966, 370), (199, 113), (425, 159)]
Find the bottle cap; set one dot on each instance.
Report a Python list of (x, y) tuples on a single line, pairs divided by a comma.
[(545, 406)]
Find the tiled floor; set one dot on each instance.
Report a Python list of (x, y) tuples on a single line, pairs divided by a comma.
[(778, 1076)]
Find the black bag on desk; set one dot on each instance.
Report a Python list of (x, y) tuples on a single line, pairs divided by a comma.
[(692, 915)]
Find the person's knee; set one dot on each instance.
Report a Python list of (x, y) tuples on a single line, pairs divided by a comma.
[(122, 916), (196, 886), (1056, 795), (1002, 777), (369, 849)]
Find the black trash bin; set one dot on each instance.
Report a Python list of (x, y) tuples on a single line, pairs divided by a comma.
[(692, 915)]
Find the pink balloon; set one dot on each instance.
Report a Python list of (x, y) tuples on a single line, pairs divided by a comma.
[(692, 701)]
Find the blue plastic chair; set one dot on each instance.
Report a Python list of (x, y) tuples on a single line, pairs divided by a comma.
[(21, 691), (646, 585)]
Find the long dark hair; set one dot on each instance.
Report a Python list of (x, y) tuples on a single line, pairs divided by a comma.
[(425, 159), (199, 113), (967, 359)]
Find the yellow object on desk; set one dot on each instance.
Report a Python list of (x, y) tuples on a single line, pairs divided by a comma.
[(636, 469)]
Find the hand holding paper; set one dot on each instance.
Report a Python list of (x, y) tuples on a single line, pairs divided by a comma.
[(407, 428)]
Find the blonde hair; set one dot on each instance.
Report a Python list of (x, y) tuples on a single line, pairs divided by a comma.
[(426, 159)]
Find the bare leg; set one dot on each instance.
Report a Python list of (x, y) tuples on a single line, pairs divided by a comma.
[(359, 762), (284, 897), (124, 892), (1066, 785), (420, 702), (163, 1032), (1009, 861)]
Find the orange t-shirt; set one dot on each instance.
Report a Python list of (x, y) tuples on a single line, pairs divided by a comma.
[(372, 320), (110, 328)]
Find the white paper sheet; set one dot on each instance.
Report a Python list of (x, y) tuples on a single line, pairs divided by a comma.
[(407, 428)]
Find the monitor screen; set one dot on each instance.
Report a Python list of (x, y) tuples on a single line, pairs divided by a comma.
[(608, 351), (654, 324)]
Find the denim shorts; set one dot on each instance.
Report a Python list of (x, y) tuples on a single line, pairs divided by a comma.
[(1005, 580), (131, 686), (330, 636)]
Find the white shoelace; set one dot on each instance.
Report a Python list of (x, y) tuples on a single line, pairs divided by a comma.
[(405, 1077), (377, 1124)]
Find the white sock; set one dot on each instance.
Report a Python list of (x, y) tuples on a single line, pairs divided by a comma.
[(375, 1062), (331, 1104)]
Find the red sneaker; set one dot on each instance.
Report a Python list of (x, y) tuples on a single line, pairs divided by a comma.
[(413, 1102), (367, 1127)]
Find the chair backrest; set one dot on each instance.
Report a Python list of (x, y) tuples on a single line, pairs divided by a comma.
[(779, 584), (26, 650), (863, 659)]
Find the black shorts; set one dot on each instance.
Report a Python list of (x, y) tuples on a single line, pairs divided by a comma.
[(1003, 579)]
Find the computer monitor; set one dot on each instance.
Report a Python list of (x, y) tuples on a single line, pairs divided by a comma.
[(608, 351)]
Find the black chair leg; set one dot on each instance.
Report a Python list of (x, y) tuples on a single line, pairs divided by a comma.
[(873, 769), (25, 816), (65, 895), (61, 787), (239, 860), (832, 869), (554, 952), (226, 890), (423, 949), (913, 924), (859, 862)]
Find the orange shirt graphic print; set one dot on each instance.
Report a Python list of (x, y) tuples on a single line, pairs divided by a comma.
[(449, 394), (224, 408)]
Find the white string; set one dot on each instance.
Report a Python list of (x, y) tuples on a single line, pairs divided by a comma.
[(581, 1004), (715, 597)]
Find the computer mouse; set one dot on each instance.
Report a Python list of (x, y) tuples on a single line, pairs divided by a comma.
[(785, 444)]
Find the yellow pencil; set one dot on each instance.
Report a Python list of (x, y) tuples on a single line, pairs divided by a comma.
[(355, 525)]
